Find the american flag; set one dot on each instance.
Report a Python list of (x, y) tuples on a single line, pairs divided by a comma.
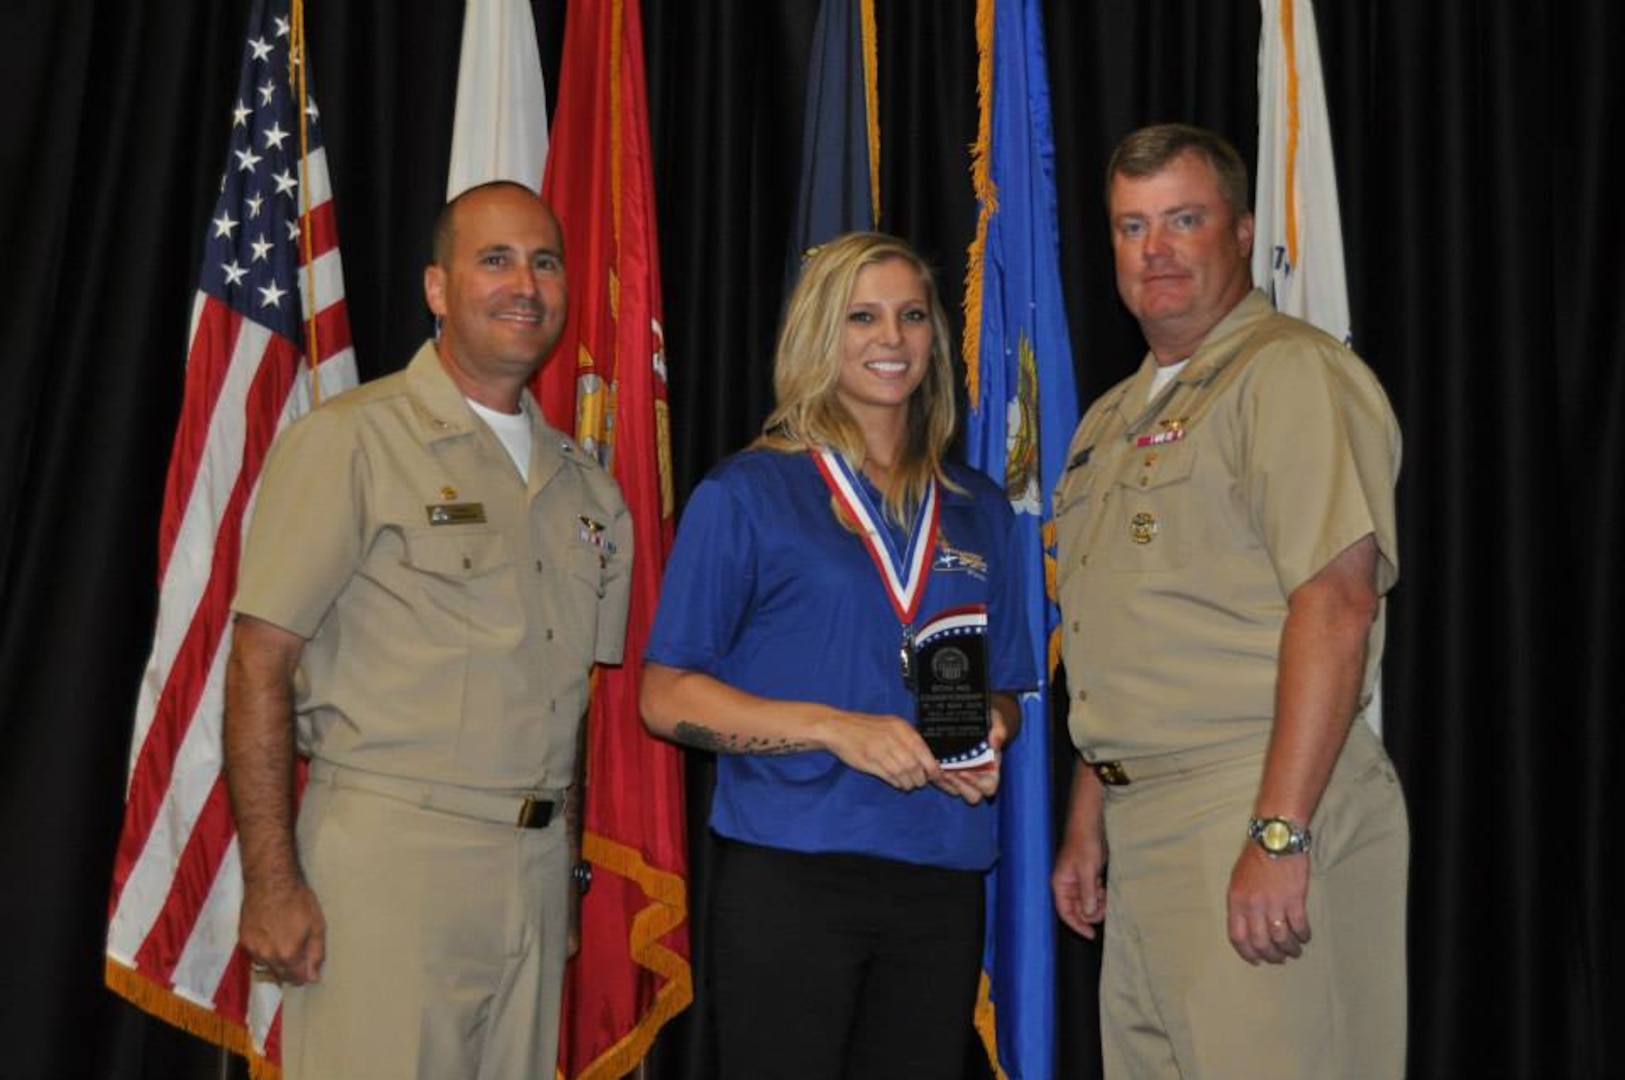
[(270, 294)]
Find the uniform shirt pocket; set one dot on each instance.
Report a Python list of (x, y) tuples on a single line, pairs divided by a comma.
[(585, 565), (460, 583), (1148, 510)]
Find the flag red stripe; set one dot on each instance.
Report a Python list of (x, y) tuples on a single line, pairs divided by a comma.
[(273, 1038), (231, 992), (321, 224), (332, 331)]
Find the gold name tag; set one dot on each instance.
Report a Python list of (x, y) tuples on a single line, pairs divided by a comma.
[(456, 513)]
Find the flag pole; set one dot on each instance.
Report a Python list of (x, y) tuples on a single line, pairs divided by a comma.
[(307, 244)]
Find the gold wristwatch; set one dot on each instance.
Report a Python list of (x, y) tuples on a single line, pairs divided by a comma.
[(1279, 836)]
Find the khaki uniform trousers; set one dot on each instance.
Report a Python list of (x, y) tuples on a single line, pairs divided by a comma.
[(446, 941), (1177, 1000)]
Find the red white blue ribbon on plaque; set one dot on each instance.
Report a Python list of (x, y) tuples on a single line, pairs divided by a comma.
[(905, 572)]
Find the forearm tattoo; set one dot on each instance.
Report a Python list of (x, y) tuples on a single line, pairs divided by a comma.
[(703, 738)]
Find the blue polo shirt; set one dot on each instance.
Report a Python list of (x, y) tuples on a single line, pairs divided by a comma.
[(768, 592)]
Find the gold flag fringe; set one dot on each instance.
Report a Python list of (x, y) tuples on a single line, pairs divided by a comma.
[(871, 103), (987, 200), (160, 1001), (667, 911), (985, 1025)]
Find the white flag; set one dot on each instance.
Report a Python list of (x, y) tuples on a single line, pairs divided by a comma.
[(500, 130), (1298, 243), (1298, 248)]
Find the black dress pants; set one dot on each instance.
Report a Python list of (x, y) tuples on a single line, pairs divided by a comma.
[(842, 967)]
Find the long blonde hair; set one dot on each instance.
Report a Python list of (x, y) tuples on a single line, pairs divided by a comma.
[(807, 366)]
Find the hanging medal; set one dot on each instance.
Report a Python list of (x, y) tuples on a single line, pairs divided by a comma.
[(903, 573)]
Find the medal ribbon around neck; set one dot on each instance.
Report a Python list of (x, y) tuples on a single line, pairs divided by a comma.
[(904, 574)]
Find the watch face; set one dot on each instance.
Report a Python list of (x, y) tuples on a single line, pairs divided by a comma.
[(1277, 836)]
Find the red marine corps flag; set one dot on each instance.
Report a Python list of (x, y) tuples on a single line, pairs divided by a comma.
[(606, 384), (270, 337)]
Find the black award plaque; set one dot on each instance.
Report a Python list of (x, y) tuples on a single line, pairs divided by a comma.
[(951, 687)]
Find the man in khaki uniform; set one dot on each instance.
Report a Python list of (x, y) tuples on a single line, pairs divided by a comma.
[(1226, 537), (430, 574)]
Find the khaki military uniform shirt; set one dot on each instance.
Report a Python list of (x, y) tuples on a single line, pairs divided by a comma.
[(1184, 523), (452, 610)]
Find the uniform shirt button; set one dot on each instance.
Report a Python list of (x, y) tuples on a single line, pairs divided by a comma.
[(1083, 695), (1074, 626), (548, 633)]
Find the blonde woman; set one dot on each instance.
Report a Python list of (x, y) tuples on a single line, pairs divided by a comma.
[(846, 926)]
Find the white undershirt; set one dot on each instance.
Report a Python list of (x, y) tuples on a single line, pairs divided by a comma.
[(1164, 375), (514, 431)]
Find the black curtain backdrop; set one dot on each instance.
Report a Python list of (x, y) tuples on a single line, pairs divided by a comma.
[(1482, 226)]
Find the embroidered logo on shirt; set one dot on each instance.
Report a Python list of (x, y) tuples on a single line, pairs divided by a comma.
[(949, 559)]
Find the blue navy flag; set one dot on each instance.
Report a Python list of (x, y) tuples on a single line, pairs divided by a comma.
[(1023, 407), (840, 141)]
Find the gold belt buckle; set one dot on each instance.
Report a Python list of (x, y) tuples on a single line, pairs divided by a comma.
[(1111, 772), (534, 813)]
